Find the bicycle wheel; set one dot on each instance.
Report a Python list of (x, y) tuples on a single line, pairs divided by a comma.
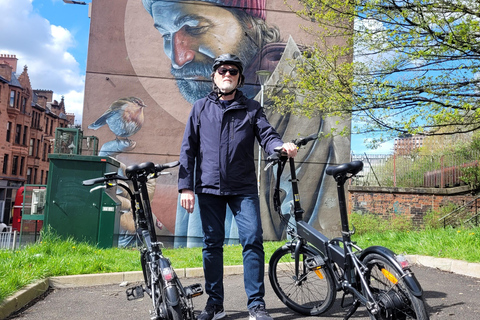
[(390, 291), (314, 291)]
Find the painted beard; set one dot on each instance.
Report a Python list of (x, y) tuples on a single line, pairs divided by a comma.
[(190, 88), (193, 89)]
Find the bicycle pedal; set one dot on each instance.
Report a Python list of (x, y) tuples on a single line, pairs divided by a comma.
[(314, 262), (134, 293), (193, 290)]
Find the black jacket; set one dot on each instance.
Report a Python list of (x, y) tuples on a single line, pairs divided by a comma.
[(218, 146)]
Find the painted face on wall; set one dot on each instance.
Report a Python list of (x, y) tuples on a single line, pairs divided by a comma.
[(194, 34)]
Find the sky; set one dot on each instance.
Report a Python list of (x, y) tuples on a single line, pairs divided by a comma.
[(50, 37)]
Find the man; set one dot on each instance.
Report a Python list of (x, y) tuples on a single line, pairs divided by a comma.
[(195, 32), (218, 153)]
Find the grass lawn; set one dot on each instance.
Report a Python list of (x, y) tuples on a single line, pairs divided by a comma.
[(55, 257)]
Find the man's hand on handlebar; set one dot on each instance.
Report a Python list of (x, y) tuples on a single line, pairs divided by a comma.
[(187, 200), (290, 149)]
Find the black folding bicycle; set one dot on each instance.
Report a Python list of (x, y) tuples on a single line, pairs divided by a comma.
[(307, 272), (171, 301)]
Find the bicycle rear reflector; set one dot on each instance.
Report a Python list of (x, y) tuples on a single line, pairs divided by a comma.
[(389, 276)]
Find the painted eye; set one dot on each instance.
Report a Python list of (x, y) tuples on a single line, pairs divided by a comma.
[(195, 31)]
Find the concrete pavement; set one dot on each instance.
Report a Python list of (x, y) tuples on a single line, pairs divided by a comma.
[(451, 288)]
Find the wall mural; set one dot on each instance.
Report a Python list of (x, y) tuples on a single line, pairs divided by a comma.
[(153, 59)]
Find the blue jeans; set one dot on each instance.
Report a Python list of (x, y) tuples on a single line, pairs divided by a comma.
[(246, 210)]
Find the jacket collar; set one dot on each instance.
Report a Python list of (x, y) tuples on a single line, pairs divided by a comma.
[(240, 98)]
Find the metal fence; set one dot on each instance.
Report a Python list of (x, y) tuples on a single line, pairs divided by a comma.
[(8, 239), (426, 171)]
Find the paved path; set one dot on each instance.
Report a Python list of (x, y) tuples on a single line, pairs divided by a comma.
[(448, 295)]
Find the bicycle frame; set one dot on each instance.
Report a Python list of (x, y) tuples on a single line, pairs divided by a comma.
[(162, 284), (341, 252)]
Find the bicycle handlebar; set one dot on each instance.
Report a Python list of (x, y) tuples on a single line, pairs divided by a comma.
[(303, 141), (136, 170), (278, 151)]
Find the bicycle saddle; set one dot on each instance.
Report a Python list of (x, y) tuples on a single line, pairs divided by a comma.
[(134, 168), (353, 168)]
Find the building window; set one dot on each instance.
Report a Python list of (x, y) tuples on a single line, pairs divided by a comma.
[(25, 131), (32, 145), (18, 133), (35, 171), (38, 148), (9, 130), (44, 157), (5, 163), (14, 165), (12, 98), (24, 105), (22, 164), (41, 177), (29, 176), (46, 177)]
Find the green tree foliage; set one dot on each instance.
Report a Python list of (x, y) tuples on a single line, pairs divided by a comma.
[(400, 66)]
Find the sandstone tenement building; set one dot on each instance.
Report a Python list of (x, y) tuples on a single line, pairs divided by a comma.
[(28, 121)]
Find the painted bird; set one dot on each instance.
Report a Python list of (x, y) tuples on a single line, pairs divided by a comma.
[(124, 117)]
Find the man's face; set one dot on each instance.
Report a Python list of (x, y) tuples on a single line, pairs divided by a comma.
[(194, 34), (224, 80)]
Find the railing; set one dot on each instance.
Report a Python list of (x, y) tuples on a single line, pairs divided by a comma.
[(8, 239), (464, 215), (425, 171)]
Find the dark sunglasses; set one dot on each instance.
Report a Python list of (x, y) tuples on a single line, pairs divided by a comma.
[(223, 71)]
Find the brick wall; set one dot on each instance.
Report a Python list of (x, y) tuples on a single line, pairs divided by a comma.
[(413, 202)]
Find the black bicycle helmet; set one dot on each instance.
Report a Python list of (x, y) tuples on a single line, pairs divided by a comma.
[(228, 58)]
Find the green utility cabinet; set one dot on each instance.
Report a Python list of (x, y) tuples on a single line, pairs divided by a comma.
[(72, 210)]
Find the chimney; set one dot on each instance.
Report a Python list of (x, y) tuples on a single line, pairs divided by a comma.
[(9, 59)]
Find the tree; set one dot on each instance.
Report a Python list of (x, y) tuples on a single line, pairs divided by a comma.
[(406, 66)]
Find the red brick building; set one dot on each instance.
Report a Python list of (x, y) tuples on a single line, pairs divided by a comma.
[(406, 144), (28, 121)]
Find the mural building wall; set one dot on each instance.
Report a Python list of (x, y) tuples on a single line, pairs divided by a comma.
[(149, 60)]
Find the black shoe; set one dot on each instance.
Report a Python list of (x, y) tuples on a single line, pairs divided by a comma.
[(259, 313), (212, 312)]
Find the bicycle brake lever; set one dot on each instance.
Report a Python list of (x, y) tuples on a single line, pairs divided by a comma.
[(98, 187), (268, 166)]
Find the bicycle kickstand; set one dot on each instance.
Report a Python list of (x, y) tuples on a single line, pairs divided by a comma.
[(352, 309)]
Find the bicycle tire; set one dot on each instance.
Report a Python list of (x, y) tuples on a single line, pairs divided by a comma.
[(395, 300), (185, 302), (313, 295), (146, 274), (174, 312)]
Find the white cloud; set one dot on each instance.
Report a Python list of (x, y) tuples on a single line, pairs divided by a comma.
[(43, 48), (74, 103), (359, 145)]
